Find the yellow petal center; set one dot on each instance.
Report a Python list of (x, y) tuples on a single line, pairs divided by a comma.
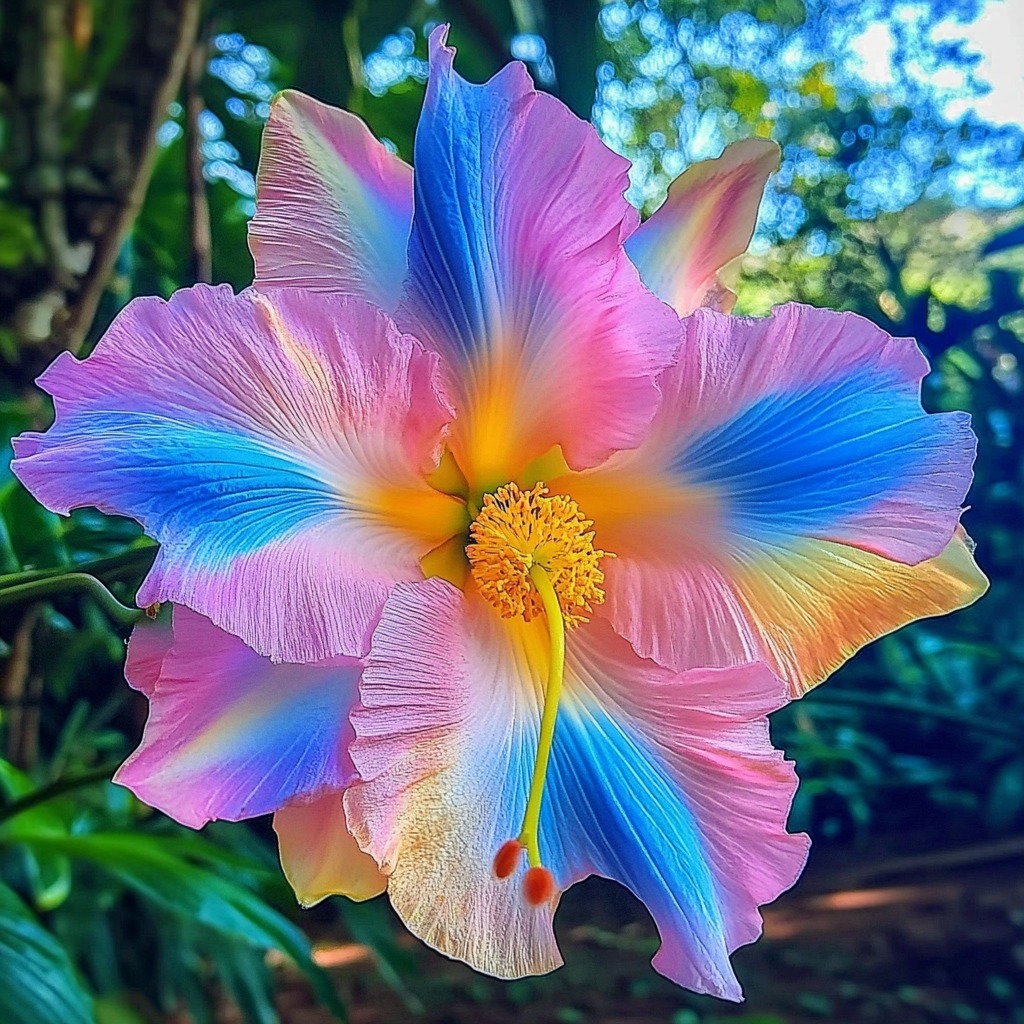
[(518, 531)]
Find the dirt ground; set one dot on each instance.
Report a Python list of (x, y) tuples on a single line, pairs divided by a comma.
[(928, 939)]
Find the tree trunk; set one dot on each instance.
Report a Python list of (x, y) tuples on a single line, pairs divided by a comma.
[(81, 198)]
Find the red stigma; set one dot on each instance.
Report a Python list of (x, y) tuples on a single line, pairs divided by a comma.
[(506, 860), (538, 886)]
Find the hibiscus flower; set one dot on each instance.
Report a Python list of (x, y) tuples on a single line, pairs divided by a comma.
[(488, 563)]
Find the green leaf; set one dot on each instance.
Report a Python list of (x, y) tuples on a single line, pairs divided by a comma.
[(47, 874), (8, 559), (572, 38), (37, 980), (14, 783), (111, 1010), (19, 814), (36, 534), (145, 865), (246, 976), (1005, 803), (372, 924), (19, 242)]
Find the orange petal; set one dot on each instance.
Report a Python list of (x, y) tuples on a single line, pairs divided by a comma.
[(319, 856)]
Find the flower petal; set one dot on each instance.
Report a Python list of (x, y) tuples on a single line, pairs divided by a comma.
[(444, 768), (150, 643), (231, 734), (817, 604), (707, 221), (792, 502), (333, 205), (665, 782), (319, 856), (668, 783), (517, 274), (263, 442)]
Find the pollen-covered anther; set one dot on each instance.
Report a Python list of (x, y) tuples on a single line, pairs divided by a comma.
[(538, 885), (517, 530), (508, 858)]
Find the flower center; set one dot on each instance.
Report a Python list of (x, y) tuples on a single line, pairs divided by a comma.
[(519, 531), (533, 554)]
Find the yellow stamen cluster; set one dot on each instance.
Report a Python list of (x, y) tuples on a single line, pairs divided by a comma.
[(518, 530)]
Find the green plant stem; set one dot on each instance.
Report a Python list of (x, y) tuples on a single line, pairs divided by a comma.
[(66, 785), (826, 701), (133, 562), (69, 583)]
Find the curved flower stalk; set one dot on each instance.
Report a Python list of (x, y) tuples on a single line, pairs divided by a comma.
[(488, 567)]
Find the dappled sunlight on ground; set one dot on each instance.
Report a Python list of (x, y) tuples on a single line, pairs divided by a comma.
[(928, 939)]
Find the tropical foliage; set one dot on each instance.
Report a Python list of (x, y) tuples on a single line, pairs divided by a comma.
[(130, 139)]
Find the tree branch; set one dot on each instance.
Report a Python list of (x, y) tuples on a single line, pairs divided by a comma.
[(47, 90), (83, 193), (201, 248), (120, 145), (14, 683)]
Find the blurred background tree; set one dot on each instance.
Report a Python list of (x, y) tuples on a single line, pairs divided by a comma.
[(129, 140)]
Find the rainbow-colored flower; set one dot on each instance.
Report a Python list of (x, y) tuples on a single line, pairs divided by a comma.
[(489, 564)]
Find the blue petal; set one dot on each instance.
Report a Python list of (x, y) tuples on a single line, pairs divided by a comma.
[(801, 461), (613, 810)]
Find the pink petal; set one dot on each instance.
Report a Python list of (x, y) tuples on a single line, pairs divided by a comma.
[(707, 221), (665, 782), (441, 765), (672, 786), (150, 643), (273, 445), (791, 503), (232, 735), (333, 205), (517, 274)]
